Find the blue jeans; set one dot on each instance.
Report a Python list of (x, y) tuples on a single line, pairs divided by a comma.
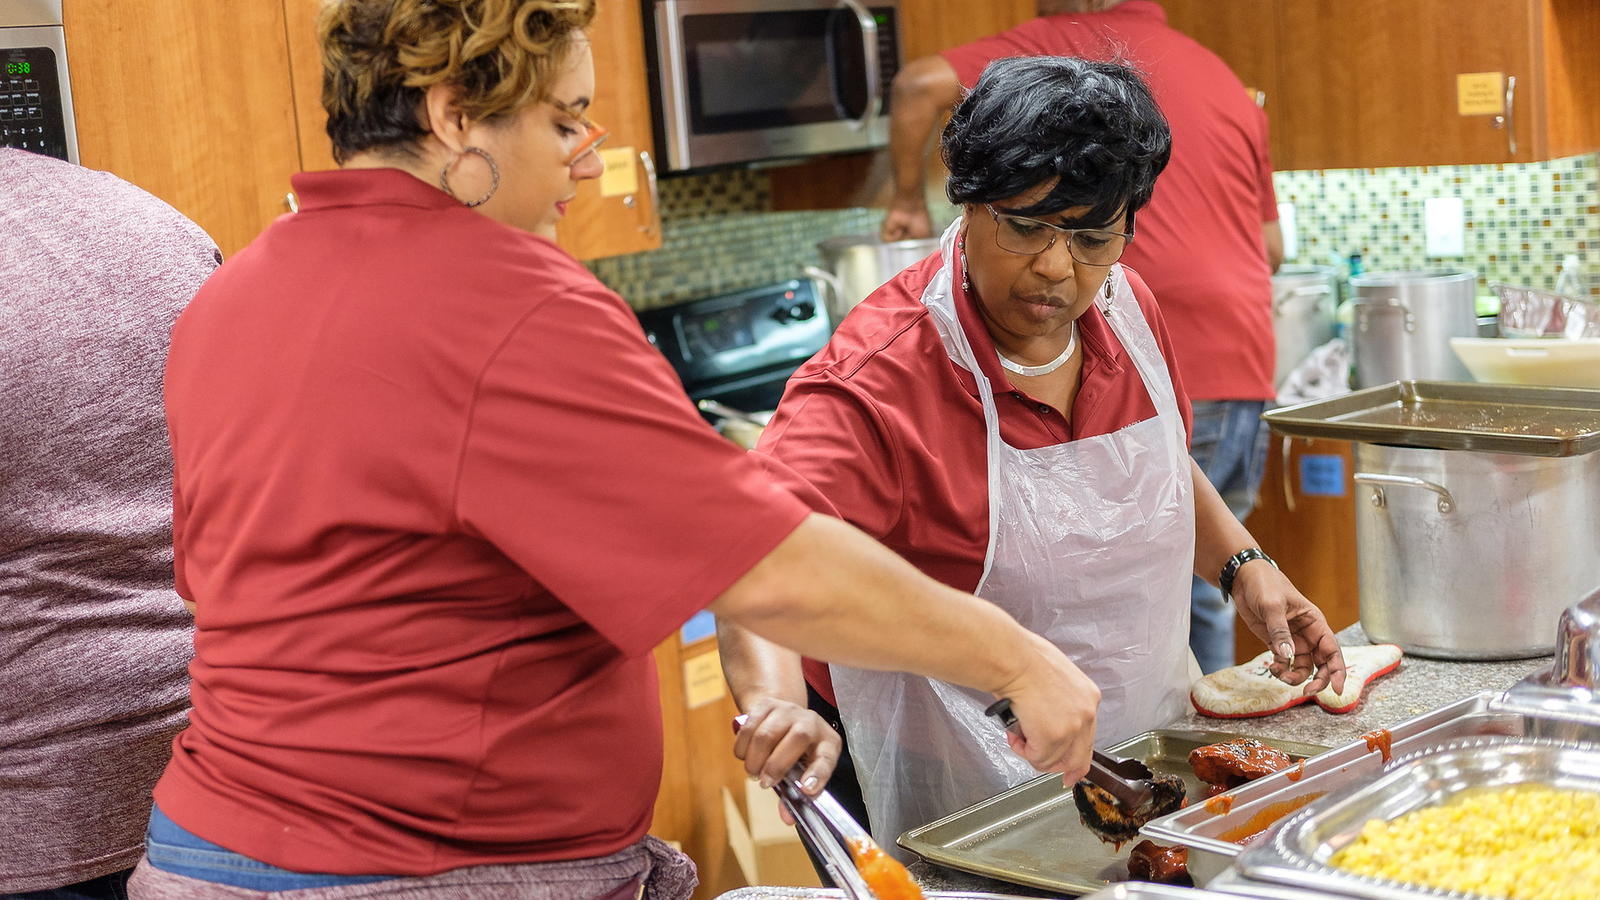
[(106, 887), (171, 848), (1230, 446)]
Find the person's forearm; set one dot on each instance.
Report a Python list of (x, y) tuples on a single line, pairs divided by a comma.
[(758, 669), (1218, 534), (830, 592), (922, 93)]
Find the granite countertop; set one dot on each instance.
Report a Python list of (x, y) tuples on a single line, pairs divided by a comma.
[(1417, 686)]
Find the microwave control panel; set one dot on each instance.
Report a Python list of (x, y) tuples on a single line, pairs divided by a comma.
[(31, 113), (888, 48)]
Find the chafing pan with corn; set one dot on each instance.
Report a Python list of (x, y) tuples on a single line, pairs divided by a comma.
[(1512, 818)]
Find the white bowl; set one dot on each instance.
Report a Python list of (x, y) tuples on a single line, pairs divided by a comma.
[(1555, 362)]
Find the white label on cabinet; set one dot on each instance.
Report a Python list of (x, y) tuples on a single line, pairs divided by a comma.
[(1481, 93), (702, 679)]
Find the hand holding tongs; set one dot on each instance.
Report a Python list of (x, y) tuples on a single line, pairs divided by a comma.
[(827, 827), (1128, 780)]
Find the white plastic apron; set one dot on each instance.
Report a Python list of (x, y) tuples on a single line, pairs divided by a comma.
[(1091, 545)]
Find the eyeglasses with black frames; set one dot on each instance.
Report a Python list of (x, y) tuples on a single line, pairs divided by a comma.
[(1030, 237)]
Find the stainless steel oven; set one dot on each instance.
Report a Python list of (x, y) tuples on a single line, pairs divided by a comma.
[(738, 81), (35, 95)]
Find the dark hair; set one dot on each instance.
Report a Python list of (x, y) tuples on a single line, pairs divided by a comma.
[(380, 56), (1092, 127)]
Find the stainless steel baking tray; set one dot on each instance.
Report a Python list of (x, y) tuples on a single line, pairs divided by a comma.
[(1031, 835), (1298, 853), (1213, 830), (1141, 890), (1441, 415)]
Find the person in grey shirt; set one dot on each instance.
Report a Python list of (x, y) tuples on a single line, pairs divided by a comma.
[(94, 641)]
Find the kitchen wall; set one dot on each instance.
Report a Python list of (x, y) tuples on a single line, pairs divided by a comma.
[(720, 234), (1521, 220)]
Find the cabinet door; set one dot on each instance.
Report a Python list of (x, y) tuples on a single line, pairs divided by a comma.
[(1374, 83), (617, 215), (305, 74), (190, 100), (1305, 519)]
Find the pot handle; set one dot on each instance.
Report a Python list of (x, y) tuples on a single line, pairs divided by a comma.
[(835, 287), (1446, 502), (1288, 483), (1320, 290), (1361, 307)]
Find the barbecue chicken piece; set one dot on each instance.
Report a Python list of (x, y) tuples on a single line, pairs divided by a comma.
[(1232, 763), (1150, 861), (1103, 815)]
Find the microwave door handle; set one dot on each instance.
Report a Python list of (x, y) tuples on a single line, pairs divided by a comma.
[(869, 57)]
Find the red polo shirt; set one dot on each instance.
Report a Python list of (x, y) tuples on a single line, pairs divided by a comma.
[(882, 429), (1199, 242), (436, 499)]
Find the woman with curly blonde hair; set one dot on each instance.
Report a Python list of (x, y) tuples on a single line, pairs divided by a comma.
[(435, 499)]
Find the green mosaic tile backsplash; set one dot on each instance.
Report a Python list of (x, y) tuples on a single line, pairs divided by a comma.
[(719, 232)]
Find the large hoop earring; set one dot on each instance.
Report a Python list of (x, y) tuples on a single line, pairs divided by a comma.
[(494, 175)]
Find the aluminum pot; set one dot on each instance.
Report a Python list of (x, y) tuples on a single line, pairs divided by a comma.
[(1303, 298), (1471, 555), (1403, 323), (855, 265)]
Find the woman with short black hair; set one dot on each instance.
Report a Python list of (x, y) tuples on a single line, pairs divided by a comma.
[(1007, 415)]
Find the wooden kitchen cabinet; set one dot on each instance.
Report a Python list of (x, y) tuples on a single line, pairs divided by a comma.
[(190, 100), (1371, 83), (1307, 523), (598, 224)]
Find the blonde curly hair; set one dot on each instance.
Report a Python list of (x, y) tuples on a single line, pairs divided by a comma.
[(379, 57)]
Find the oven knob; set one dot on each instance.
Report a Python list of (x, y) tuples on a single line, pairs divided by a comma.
[(798, 312)]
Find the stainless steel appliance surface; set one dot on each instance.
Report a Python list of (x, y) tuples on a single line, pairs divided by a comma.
[(805, 893), (739, 349), (1403, 323), (35, 92), (1298, 854), (1565, 697), (1217, 832), (740, 81), (1475, 510), (1303, 299), (855, 265), (1031, 835)]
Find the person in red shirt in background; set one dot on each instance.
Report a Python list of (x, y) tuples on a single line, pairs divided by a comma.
[(1008, 415), (435, 499), (1208, 242)]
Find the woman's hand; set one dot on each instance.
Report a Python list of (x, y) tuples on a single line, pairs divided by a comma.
[(777, 735), (1292, 626), (1055, 705)]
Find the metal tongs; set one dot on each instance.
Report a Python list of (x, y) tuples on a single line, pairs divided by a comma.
[(1128, 780), (827, 827)]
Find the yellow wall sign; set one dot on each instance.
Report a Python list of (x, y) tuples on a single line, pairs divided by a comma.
[(1481, 93), (702, 679), (621, 176)]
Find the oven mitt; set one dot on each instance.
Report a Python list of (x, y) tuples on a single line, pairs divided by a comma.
[(1250, 690), (1244, 691), (1362, 665)]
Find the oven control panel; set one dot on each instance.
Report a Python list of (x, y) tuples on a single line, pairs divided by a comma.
[(30, 104), (743, 336)]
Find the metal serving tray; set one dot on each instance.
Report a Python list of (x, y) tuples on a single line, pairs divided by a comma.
[(1442, 415), (1213, 830), (1142, 890), (1031, 835), (1298, 853)]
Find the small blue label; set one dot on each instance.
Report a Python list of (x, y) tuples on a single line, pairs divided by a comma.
[(1322, 475), (699, 627)]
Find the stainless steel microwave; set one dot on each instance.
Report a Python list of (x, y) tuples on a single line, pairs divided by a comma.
[(35, 93), (739, 81)]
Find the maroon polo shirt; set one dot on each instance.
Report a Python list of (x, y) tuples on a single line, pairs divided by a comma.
[(436, 499), (882, 429), (1199, 243)]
